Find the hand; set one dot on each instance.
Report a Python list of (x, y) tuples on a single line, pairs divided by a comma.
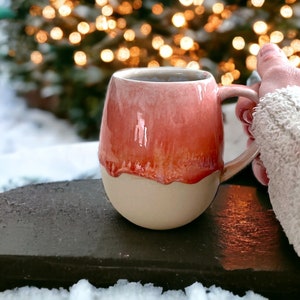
[(276, 72)]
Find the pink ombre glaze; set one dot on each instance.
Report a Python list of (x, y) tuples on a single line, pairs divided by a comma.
[(162, 131)]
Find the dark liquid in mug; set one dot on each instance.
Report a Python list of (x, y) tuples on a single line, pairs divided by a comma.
[(167, 76)]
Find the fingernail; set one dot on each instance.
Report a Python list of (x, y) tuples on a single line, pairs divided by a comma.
[(247, 116)]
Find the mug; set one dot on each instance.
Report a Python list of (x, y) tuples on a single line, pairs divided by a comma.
[(161, 144)]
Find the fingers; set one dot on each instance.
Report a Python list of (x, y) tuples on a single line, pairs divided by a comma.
[(244, 107), (269, 56), (259, 171)]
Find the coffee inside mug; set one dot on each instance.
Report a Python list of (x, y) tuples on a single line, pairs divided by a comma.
[(165, 75)]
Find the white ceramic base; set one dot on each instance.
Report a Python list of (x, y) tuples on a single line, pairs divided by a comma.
[(153, 205)]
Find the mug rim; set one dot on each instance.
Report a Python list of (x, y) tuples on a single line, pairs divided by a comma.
[(128, 73)]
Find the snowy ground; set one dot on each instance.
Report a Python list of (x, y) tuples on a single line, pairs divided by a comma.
[(37, 147), (124, 290)]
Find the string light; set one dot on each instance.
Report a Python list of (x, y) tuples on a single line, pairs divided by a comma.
[(121, 23), (35, 10), (218, 8), (178, 62), (48, 12), (153, 64), (295, 60), (251, 62), (286, 11), (101, 2), (198, 2), (260, 27), (75, 38), (83, 27), (227, 79), (200, 10), (41, 36), (186, 2), (295, 44), (193, 65), (254, 49), (30, 30), (146, 29), (137, 4), (101, 23), (276, 37), (107, 55), (238, 43), (112, 24), (189, 15), (107, 10), (129, 35), (165, 51), (65, 10), (186, 43), (263, 39), (157, 42), (36, 57), (123, 54), (135, 51), (125, 8), (178, 20), (56, 33), (157, 9), (80, 58), (288, 51), (258, 3)]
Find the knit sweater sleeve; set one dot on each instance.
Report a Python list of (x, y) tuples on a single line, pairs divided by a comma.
[(276, 129)]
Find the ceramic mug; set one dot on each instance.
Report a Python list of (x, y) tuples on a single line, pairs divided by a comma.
[(161, 144)]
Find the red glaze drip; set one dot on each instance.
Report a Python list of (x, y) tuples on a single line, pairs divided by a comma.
[(162, 131)]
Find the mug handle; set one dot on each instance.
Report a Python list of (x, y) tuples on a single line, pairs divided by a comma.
[(234, 166)]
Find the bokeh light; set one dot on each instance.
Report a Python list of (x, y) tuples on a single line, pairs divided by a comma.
[(186, 43), (65, 10), (178, 20), (80, 58), (286, 11), (257, 3), (75, 38), (238, 43), (165, 51), (48, 12), (123, 54), (260, 27), (107, 55), (276, 37), (36, 57), (83, 27), (56, 33)]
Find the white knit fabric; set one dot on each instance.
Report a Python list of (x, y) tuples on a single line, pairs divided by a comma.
[(276, 128)]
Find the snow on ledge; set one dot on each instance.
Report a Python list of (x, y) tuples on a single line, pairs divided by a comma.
[(124, 290), (48, 164)]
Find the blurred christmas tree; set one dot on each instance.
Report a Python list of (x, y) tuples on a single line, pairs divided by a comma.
[(69, 48)]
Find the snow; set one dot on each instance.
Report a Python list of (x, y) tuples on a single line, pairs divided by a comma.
[(37, 147), (124, 290)]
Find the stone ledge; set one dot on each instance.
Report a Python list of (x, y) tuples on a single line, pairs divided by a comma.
[(54, 234)]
